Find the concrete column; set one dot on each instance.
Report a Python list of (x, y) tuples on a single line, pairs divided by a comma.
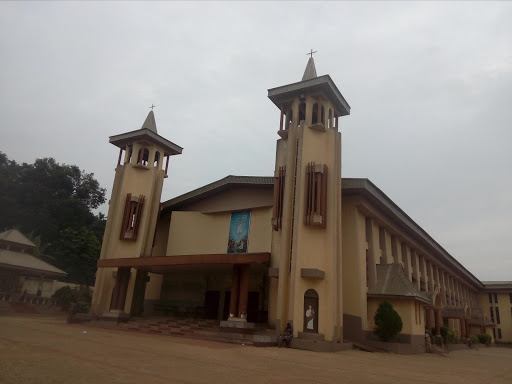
[(120, 289), (235, 285), (428, 320), (406, 258), (437, 321), (416, 268), (462, 328), (372, 271), (244, 291)]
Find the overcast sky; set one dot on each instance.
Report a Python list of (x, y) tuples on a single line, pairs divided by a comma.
[(430, 86)]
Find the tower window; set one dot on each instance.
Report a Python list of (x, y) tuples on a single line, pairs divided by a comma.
[(131, 218), (156, 163), (316, 195), (279, 179), (143, 156), (302, 111), (329, 121), (314, 118), (322, 115)]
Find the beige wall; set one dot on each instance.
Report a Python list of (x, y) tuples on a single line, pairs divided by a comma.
[(236, 199), (192, 233), (505, 310), (411, 312)]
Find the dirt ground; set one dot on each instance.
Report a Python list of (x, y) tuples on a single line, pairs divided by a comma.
[(46, 350)]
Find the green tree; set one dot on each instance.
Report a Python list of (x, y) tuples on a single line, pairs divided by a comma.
[(387, 321), (53, 203)]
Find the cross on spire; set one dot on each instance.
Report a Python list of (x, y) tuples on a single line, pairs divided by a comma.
[(152, 106), (311, 53)]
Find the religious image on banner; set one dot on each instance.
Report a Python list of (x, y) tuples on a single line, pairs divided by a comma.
[(239, 232)]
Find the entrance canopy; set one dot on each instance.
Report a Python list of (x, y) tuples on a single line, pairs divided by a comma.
[(147, 263)]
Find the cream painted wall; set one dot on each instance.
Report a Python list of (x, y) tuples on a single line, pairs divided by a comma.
[(192, 233), (354, 260), (505, 309), (411, 312)]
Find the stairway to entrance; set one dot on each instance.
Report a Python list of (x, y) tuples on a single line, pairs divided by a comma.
[(194, 328)]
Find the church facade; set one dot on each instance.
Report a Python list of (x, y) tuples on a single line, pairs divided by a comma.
[(303, 246)]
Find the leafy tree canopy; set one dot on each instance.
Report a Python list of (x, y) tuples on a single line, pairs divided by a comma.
[(53, 203), (388, 322)]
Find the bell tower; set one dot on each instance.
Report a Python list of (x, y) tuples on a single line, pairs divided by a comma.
[(133, 212), (306, 242)]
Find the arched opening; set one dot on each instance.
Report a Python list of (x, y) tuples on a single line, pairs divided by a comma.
[(329, 121), (143, 156), (314, 117), (311, 311), (129, 153), (302, 111), (156, 163), (322, 115)]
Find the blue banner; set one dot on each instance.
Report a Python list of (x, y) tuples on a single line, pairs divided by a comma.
[(239, 232)]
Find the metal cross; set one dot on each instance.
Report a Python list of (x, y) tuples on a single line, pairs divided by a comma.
[(311, 53), (152, 106)]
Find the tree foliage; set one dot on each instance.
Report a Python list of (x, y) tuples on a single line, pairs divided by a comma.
[(53, 204), (388, 322)]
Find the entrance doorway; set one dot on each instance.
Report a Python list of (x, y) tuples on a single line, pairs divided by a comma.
[(211, 304)]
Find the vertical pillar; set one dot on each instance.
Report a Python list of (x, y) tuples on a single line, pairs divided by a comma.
[(244, 291), (407, 260), (437, 321), (371, 268), (462, 328), (428, 320), (40, 286), (281, 119), (235, 285), (120, 289)]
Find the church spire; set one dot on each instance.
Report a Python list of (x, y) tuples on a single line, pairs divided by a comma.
[(310, 72), (150, 122)]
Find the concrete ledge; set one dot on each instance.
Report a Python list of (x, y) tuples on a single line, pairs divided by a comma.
[(116, 316), (319, 345), (237, 324), (312, 273), (311, 336)]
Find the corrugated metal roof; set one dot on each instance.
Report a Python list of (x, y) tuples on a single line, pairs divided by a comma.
[(15, 236), (27, 261), (392, 282)]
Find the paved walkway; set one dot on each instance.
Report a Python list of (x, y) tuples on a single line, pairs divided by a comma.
[(46, 350)]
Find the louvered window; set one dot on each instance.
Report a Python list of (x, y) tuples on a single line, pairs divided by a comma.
[(277, 217), (131, 218), (316, 195)]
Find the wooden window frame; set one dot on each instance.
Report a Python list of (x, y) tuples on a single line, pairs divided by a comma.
[(131, 218), (316, 195)]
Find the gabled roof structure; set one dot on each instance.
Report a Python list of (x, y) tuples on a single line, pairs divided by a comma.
[(392, 283), (15, 236)]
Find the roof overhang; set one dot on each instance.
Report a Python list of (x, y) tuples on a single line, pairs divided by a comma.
[(399, 297), (178, 260), (145, 134), (322, 84), (33, 271)]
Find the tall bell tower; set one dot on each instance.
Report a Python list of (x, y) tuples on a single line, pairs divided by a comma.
[(307, 207), (132, 215)]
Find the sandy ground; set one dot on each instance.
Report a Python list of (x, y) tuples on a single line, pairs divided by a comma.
[(46, 350)]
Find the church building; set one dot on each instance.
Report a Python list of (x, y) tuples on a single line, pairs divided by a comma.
[(304, 246)]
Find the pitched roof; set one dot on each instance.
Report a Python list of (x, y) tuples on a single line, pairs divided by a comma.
[(216, 187), (15, 236), (29, 263), (150, 122), (392, 283), (310, 71)]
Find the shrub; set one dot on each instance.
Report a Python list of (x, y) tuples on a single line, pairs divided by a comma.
[(452, 336), (474, 339), (65, 296), (387, 321), (484, 338)]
